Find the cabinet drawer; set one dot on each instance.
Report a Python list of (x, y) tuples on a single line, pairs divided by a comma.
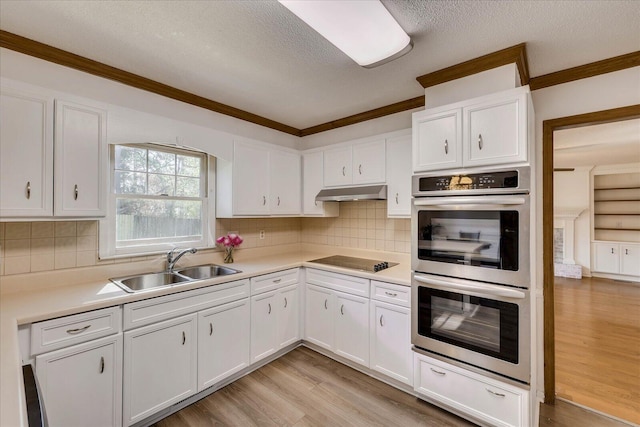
[(339, 282), (269, 282), (65, 331), (391, 293), (482, 398), (156, 309)]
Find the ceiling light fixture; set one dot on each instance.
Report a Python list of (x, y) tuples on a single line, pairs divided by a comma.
[(363, 29)]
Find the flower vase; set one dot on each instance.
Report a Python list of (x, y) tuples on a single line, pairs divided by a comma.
[(228, 255)]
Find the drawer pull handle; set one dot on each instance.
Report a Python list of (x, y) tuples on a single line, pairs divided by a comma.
[(344, 171), (495, 394), (28, 190), (396, 198), (278, 200), (102, 364), (269, 308), (342, 309), (611, 250), (184, 338), (264, 200), (78, 330), (446, 146), (210, 328), (438, 372), (75, 192), (277, 281), (285, 302), (360, 169), (391, 294), (325, 304), (381, 322), (626, 251), (480, 144)]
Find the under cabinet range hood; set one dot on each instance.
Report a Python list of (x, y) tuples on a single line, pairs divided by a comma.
[(345, 194)]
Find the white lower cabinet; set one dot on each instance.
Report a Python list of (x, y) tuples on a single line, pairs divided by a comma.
[(391, 341), (616, 258), (82, 384), (223, 342), (483, 399), (319, 318), (160, 366), (352, 327), (274, 317)]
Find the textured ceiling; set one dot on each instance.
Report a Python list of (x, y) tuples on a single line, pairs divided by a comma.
[(257, 56)]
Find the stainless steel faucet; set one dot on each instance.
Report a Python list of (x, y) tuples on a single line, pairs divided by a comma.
[(171, 260)]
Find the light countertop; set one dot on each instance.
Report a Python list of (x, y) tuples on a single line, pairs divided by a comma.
[(35, 297)]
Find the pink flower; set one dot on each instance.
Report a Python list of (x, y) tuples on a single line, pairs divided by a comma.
[(230, 240), (220, 239)]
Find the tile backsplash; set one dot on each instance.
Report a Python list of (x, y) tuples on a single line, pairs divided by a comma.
[(53, 245)]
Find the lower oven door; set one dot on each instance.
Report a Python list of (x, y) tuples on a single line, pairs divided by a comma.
[(484, 325)]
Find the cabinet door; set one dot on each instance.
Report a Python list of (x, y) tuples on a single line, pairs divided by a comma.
[(391, 341), (264, 326), (286, 188), (337, 166), (288, 316), (352, 327), (399, 176), (607, 257), (82, 385), (312, 181), (223, 342), (437, 140), (26, 154), (160, 366), (81, 160), (368, 165), (319, 318), (250, 180), (630, 260), (495, 132)]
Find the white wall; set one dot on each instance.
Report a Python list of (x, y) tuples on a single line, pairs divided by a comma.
[(17, 66), (571, 190), (603, 92)]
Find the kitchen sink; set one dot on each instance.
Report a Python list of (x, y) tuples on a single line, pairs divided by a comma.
[(203, 272), (146, 281)]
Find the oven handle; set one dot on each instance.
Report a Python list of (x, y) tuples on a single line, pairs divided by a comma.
[(475, 287), (484, 201)]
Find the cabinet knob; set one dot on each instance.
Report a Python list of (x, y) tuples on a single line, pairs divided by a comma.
[(28, 190), (480, 144), (446, 146), (75, 192)]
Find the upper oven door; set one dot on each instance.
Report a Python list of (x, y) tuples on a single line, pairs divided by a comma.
[(483, 238)]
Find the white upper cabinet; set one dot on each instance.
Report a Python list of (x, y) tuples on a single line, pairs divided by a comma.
[(80, 160), (357, 164), (285, 189), (260, 181), (399, 176), (437, 140), (312, 173), (33, 157), (26, 154), (484, 131)]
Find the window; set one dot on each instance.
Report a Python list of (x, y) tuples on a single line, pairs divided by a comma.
[(158, 198)]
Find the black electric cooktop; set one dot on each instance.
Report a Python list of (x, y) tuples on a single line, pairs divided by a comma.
[(361, 264)]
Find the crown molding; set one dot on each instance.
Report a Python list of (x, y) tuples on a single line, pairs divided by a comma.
[(515, 54), (609, 65)]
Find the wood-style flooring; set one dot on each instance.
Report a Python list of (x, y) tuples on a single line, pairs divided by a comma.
[(597, 340), (304, 388)]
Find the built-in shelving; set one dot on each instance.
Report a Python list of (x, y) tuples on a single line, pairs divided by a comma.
[(616, 199)]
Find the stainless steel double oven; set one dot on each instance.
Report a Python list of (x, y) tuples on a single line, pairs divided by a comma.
[(471, 275)]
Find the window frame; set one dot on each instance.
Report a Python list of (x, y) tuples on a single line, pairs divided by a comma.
[(108, 248)]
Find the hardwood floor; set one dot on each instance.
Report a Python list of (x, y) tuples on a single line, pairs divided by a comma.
[(597, 338), (305, 388)]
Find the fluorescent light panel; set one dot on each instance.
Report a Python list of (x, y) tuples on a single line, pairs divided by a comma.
[(363, 29)]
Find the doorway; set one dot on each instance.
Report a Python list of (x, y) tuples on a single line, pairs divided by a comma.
[(549, 127)]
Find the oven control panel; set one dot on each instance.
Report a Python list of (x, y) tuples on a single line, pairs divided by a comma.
[(472, 181)]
